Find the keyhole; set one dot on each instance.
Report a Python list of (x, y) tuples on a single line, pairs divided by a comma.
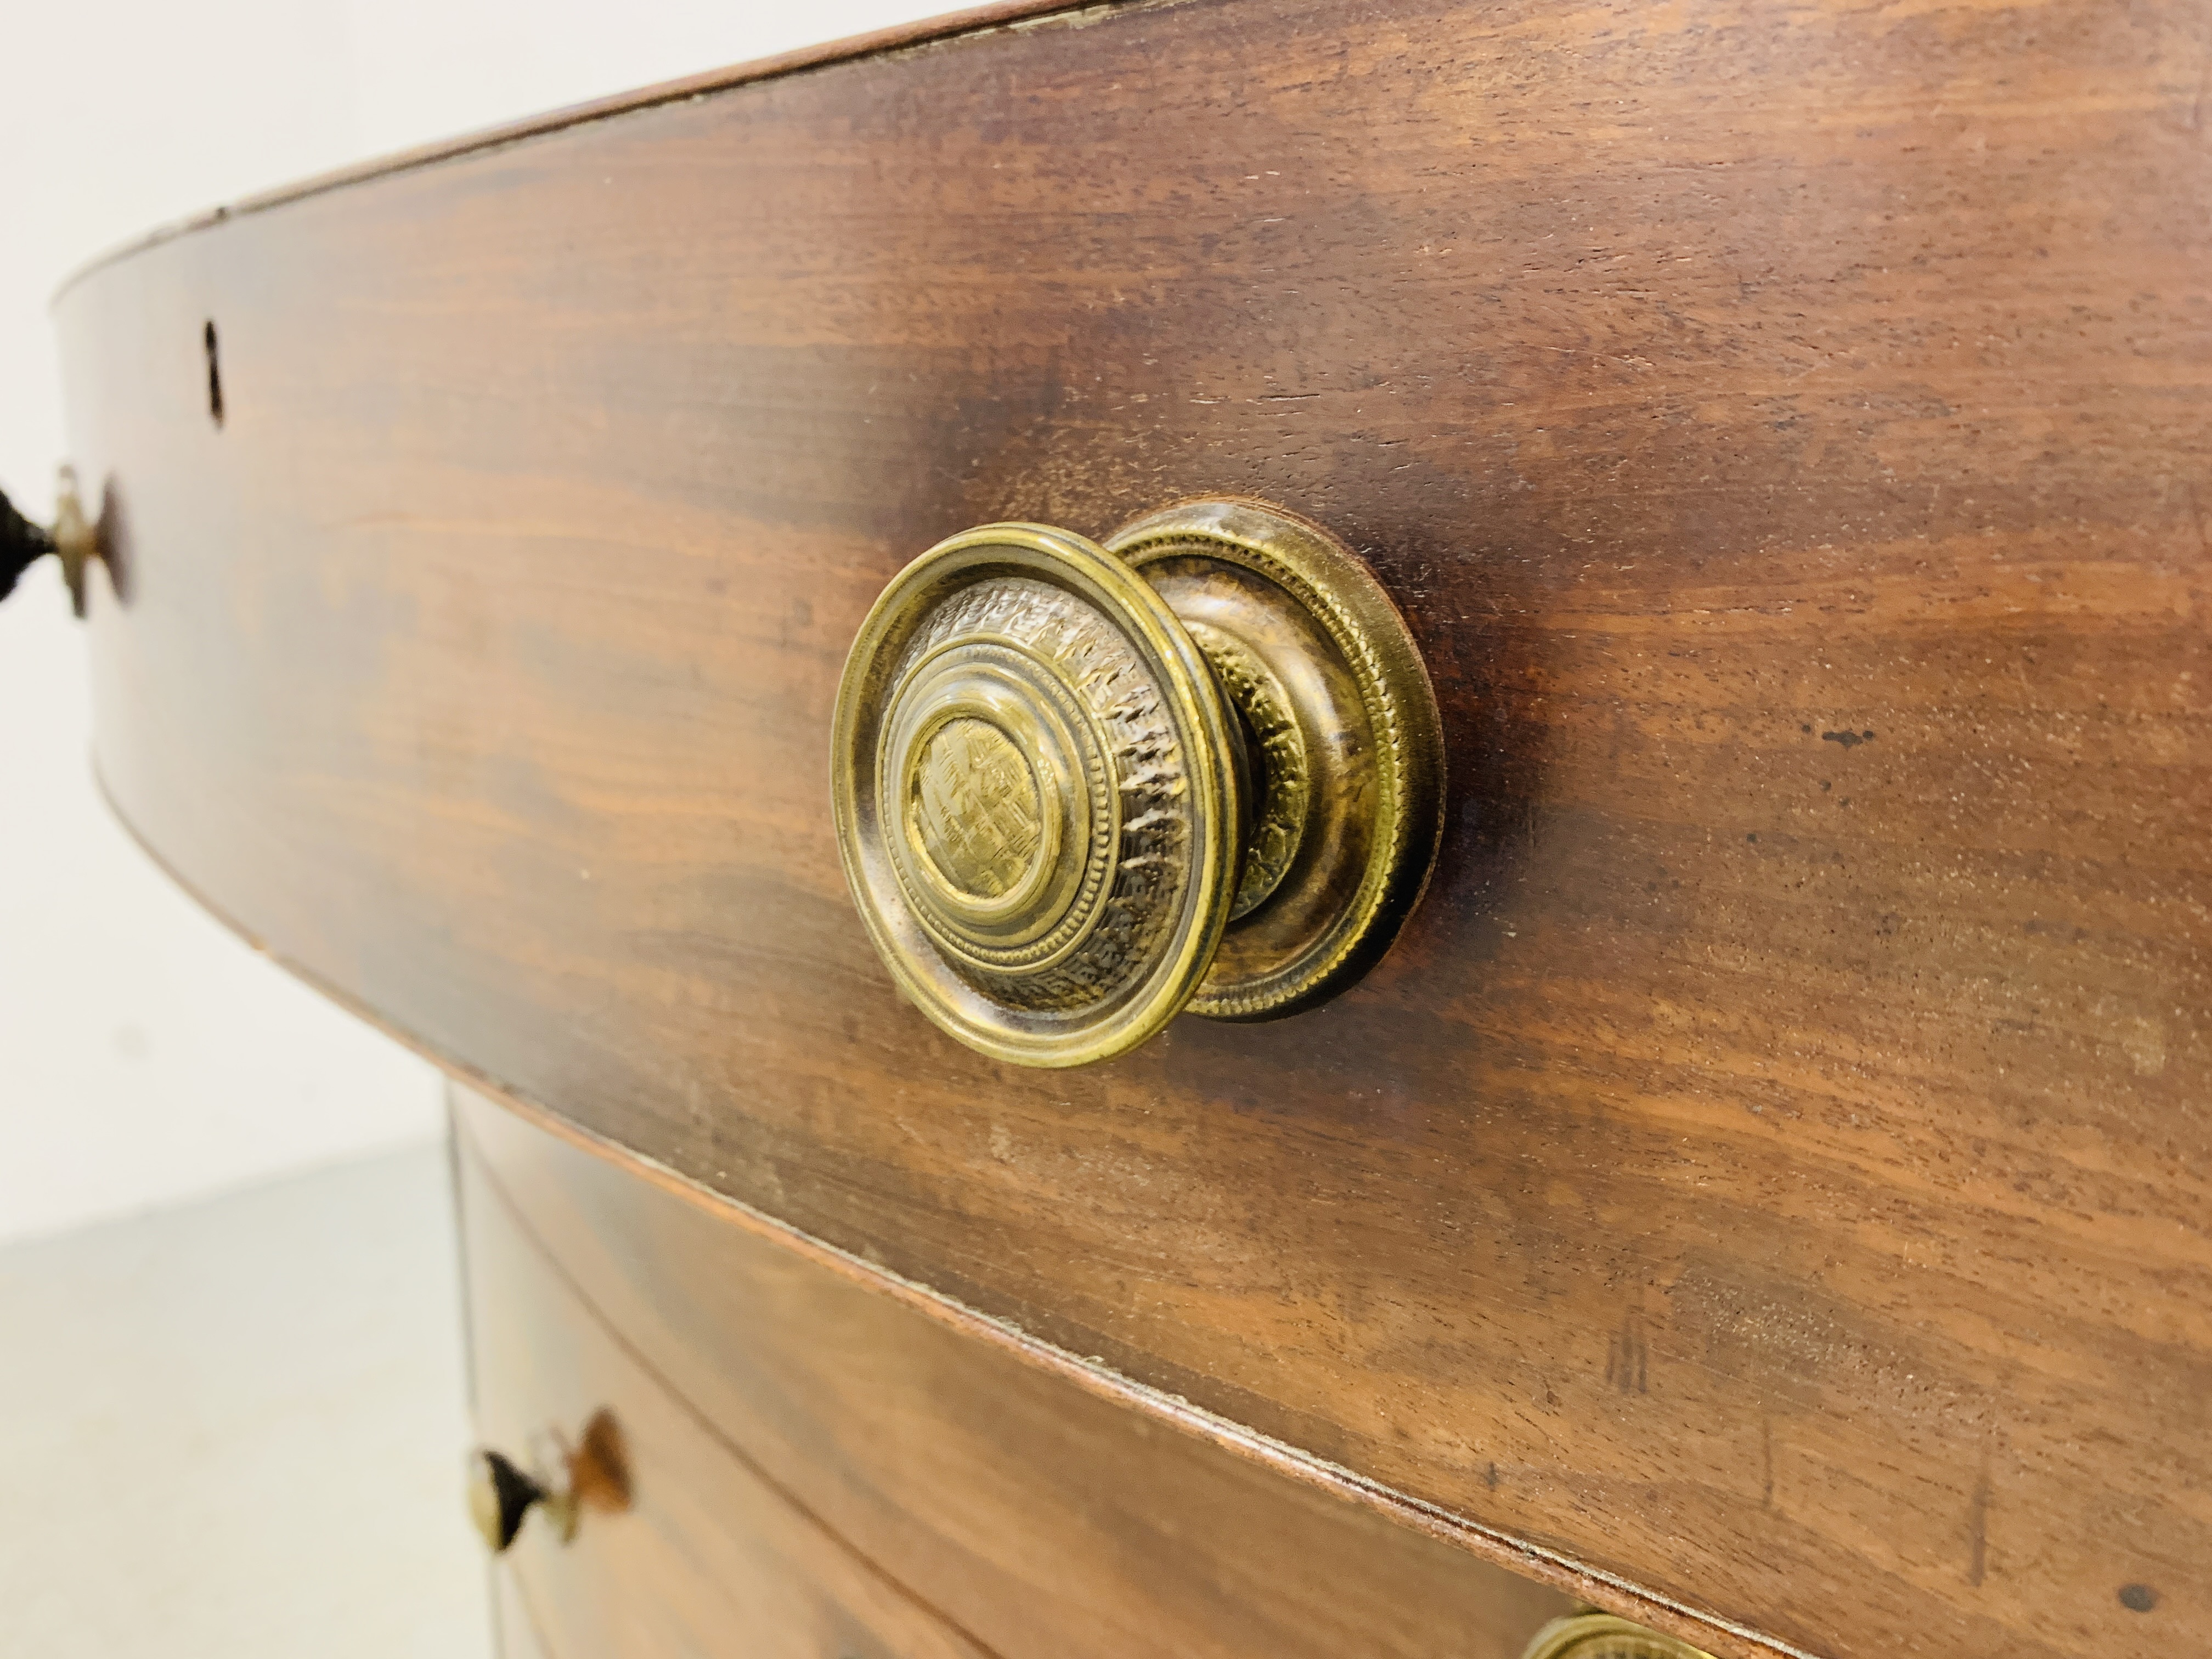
[(215, 377)]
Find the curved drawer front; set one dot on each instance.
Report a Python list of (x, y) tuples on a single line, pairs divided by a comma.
[(712, 1556), (1769, 1174), (814, 1465)]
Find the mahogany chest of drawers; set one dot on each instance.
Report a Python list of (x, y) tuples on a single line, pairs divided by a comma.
[(1762, 1192)]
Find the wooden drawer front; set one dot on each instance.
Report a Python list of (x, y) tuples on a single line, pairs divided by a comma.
[(783, 1419), (713, 1558), (1771, 1172)]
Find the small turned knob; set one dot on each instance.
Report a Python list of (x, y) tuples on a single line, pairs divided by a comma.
[(1078, 787), (1602, 1636), (500, 1496), (563, 1482), (75, 539)]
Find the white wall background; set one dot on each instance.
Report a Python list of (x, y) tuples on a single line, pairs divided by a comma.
[(147, 1056)]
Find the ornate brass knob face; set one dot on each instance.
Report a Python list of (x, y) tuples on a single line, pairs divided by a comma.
[(1079, 788)]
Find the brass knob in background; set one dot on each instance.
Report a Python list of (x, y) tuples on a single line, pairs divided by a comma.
[(563, 1481), (77, 539), (1602, 1636), (1079, 788), (73, 539)]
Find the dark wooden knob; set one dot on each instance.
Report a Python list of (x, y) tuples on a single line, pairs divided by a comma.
[(500, 1495), (592, 1474)]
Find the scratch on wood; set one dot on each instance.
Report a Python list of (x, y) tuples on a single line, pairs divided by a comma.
[(1626, 1361), (1978, 1525)]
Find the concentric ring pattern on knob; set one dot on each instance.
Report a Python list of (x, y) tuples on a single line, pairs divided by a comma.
[(1036, 785)]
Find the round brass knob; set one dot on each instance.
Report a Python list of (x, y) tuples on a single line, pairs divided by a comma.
[(1077, 787), (1601, 1635)]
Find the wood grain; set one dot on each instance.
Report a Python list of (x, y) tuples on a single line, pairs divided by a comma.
[(1046, 1523), (1772, 1170)]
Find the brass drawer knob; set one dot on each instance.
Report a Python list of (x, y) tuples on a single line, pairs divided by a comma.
[(1079, 788), (73, 539), (1602, 1636), (563, 1481)]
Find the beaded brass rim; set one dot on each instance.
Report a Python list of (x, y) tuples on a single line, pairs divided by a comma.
[(1325, 676), (1035, 787), (1601, 1635)]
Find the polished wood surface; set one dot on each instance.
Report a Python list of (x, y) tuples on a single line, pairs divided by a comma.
[(1043, 1522), (1771, 1174)]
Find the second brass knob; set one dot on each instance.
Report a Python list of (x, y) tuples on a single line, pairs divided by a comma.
[(1079, 788)]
